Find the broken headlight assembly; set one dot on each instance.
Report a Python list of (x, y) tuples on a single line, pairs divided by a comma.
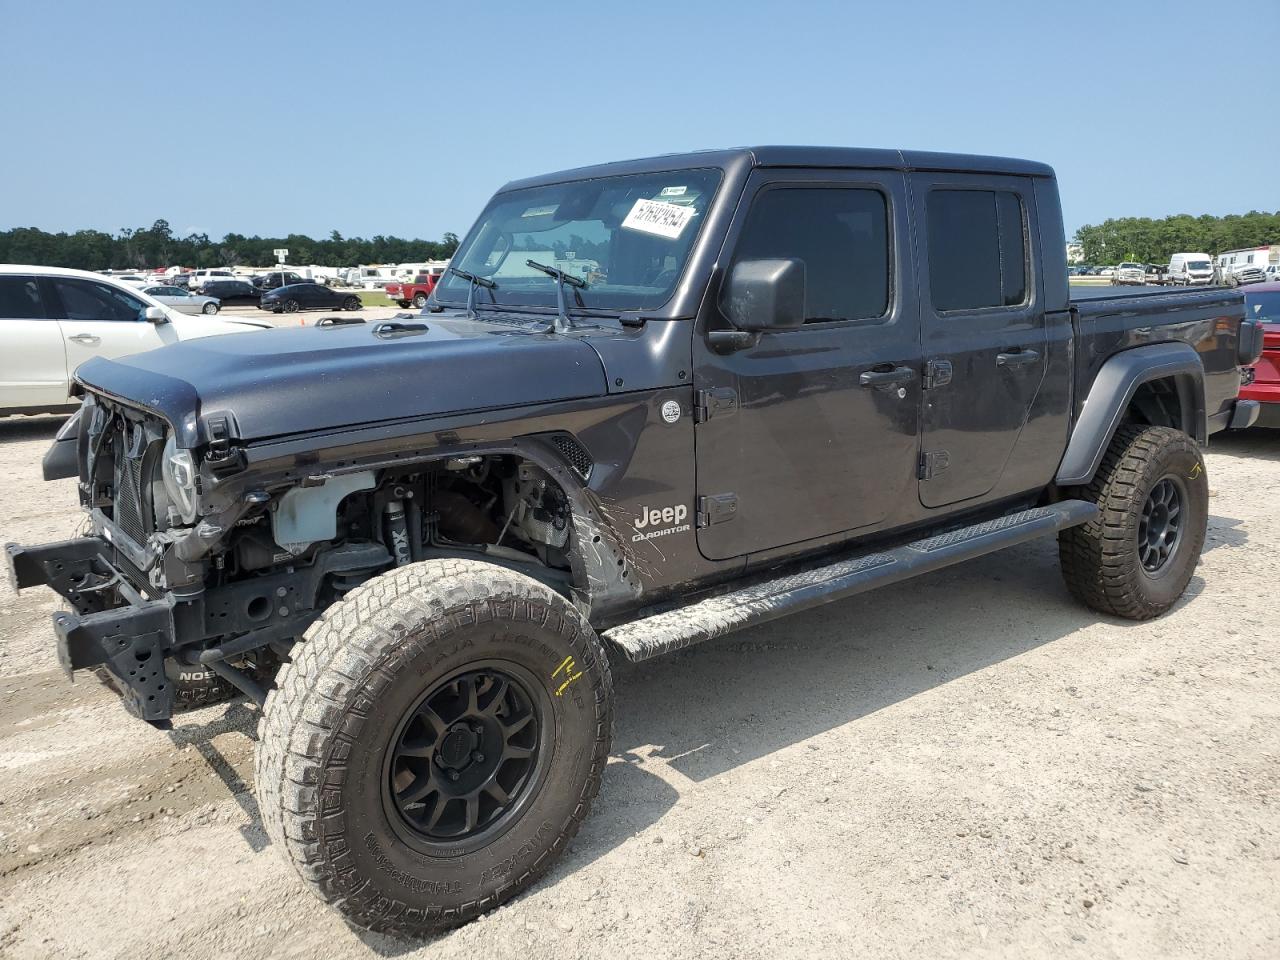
[(178, 472)]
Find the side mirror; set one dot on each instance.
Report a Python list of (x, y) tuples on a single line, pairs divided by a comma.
[(155, 315), (766, 295)]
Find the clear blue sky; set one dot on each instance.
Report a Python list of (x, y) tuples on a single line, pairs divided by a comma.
[(402, 118)]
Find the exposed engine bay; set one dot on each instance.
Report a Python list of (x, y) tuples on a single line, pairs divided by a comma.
[(232, 575)]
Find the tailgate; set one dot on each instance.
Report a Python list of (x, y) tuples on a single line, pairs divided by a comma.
[(1267, 369)]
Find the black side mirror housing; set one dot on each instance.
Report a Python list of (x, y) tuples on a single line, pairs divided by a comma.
[(766, 295)]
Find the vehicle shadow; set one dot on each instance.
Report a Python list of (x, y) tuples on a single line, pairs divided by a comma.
[(37, 427), (714, 707), (1256, 443)]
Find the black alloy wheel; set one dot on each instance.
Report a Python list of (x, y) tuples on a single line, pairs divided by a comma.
[(1160, 528), (465, 756)]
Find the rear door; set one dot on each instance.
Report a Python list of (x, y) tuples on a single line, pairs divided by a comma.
[(33, 361), (99, 320), (983, 329), (812, 431)]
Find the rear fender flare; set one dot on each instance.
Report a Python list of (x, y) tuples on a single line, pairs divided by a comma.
[(1111, 393)]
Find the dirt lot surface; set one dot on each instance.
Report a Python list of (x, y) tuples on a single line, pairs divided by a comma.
[(964, 765)]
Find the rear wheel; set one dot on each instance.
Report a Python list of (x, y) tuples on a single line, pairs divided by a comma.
[(434, 744), (1137, 557)]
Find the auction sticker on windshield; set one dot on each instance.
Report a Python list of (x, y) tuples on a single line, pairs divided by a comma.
[(661, 219)]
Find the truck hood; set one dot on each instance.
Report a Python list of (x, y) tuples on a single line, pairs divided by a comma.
[(298, 379)]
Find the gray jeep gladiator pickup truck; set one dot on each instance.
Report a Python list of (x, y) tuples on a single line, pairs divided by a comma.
[(651, 402)]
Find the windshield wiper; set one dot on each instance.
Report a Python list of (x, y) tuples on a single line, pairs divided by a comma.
[(562, 311), (473, 281)]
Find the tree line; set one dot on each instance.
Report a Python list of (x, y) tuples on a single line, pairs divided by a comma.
[(157, 246), (1144, 240)]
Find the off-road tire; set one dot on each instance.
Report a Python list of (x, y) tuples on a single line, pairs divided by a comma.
[(326, 730), (1101, 561)]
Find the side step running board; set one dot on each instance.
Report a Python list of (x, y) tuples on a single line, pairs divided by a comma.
[(716, 616)]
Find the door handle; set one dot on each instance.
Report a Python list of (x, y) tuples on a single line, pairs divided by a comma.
[(878, 377), (1016, 358), (88, 339)]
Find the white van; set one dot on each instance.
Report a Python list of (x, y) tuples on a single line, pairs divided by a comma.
[(1189, 269)]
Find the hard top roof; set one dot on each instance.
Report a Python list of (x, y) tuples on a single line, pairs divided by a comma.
[(796, 156)]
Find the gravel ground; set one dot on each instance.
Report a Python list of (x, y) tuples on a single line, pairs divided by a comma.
[(964, 765)]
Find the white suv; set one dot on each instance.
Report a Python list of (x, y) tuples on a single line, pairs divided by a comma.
[(53, 319)]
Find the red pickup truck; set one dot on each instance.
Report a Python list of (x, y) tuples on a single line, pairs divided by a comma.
[(414, 293)]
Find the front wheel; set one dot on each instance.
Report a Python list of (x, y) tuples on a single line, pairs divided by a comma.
[(1135, 559), (434, 744), (291, 306), (210, 308), (351, 303), (420, 300)]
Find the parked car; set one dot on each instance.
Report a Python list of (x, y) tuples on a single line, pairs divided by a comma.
[(54, 319), (1262, 379), (1272, 272), (415, 292), (183, 300), (469, 520), (1130, 274), (1190, 269), (182, 280), (308, 296), (277, 278), (1155, 273), (233, 293), (201, 277)]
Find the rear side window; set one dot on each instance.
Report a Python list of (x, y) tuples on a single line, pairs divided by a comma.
[(86, 300), (977, 249), (20, 299), (842, 235)]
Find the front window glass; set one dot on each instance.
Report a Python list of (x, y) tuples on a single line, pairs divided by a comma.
[(1197, 264), (841, 235), (627, 237), (1263, 307), (86, 300)]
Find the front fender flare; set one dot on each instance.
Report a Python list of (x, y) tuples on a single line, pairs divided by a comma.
[(1113, 389)]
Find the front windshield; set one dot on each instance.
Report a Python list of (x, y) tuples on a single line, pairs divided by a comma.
[(1263, 307), (1197, 264), (627, 237), (1130, 266)]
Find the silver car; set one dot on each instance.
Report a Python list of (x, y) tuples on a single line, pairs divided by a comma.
[(182, 300)]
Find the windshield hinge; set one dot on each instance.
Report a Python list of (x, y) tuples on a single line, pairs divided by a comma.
[(713, 402), (716, 508)]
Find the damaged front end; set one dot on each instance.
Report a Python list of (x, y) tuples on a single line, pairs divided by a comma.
[(149, 582)]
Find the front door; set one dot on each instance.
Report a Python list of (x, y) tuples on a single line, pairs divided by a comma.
[(809, 432), (983, 329), (100, 320)]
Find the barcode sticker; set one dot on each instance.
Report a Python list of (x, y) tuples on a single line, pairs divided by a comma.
[(658, 218)]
